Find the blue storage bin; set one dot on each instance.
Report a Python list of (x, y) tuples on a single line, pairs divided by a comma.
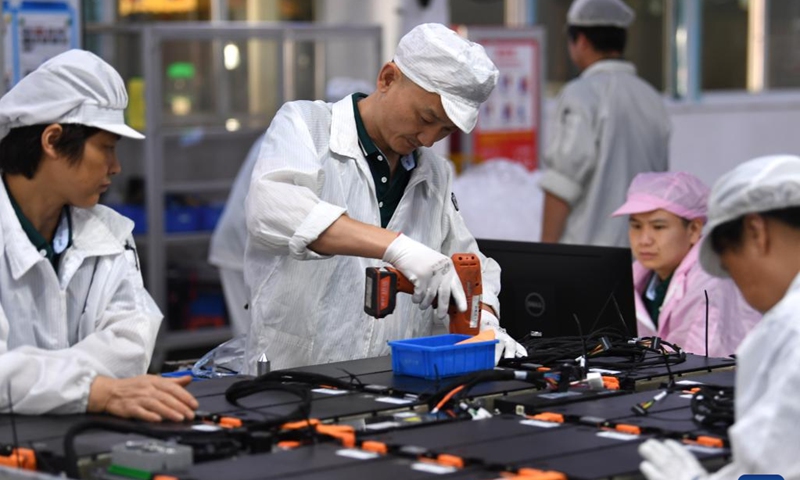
[(211, 215), (439, 356), (181, 219)]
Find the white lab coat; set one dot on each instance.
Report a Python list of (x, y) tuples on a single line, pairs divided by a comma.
[(226, 250), (307, 308), (766, 435), (57, 332), (609, 126)]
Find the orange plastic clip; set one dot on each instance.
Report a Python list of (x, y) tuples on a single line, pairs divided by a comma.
[(164, 477), (377, 447), (312, 422), (631, 429), (344, 433), (535, 474), (450, 460), (549, 417), (288, 444), (707, 441), (230, 422), (22, 458), (610, 383)]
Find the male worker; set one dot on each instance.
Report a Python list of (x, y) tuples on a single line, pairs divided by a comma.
[(753, 237), (609, 126), (77, 327), (339, 187)]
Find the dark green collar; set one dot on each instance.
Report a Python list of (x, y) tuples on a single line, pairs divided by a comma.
[(52, 250), (653, 297)]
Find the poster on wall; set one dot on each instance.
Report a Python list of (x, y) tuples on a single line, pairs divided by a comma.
[(35, 31), (509, 122)]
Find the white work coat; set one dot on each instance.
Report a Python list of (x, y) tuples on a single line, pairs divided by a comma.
[(308, 308), (59, 331), (226, 250), (765, 437), (682, 319), (609, 126)]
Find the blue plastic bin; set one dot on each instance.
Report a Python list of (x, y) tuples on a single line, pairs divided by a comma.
[(181, 219), (136, 213), (439, 356)]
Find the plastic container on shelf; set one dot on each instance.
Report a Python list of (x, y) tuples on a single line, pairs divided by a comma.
[(182, 219), (439, 356), (180, 88), (211, 215)]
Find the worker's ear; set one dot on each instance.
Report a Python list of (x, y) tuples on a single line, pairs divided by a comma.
[(390, 75), (755, 234), (50, 136), (695, 230)]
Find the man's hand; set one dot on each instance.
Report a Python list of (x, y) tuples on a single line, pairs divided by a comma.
[(146, 397), (507, 347), (669, 460), (432, 274)]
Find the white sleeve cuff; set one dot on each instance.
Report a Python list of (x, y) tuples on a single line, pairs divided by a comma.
[(561, 186), (317, 221)]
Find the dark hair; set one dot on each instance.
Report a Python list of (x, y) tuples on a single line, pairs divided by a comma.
[(21, 149), (603, 39), (729, 234)]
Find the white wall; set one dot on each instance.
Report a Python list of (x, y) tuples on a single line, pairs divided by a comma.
[(713, 136)]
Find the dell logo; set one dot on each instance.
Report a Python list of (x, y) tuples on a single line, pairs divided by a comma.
[(534, 304)]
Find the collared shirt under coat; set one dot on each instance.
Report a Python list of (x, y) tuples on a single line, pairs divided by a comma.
[(308, 308)]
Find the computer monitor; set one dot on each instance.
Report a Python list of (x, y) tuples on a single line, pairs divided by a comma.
[(543, 285)]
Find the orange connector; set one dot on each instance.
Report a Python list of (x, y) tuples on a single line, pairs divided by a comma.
[(22, 458), (548, 417), (536, 474), (450, 461), (377, 447)]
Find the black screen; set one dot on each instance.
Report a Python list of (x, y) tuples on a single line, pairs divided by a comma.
[(543, 285)]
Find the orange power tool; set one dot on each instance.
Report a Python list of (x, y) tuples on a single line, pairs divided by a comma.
[(383, 285)]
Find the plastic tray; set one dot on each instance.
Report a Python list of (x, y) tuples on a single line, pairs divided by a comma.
[(439, 356)]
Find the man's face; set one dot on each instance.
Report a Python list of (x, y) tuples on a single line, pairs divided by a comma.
[(412, 118), (82, 183)]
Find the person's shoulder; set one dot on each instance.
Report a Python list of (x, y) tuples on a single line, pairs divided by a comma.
[(120, 226), (309, 109)]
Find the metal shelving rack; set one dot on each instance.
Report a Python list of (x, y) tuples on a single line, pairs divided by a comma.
[(152, 39)]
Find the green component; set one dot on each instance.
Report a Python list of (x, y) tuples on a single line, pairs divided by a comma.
[(180, 70), (129, 472)]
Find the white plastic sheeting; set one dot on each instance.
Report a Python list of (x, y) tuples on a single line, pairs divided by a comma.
[(502, 200)]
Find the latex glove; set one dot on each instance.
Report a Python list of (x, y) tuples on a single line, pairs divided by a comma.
[(507, 347), (432, 274), (669, 460)]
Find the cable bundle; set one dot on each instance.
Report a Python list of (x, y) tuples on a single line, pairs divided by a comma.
[(713, 407)]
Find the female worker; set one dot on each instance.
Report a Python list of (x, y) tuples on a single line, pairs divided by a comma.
[(666, 216), (753, 236), (77, 327)]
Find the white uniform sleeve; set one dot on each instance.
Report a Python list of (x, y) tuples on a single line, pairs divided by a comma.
[(571, 157), (765, 439), (283, 208), (459, 239), (58, 381)]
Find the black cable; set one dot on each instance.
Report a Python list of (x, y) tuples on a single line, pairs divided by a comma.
[(706, 293), (713, 407)]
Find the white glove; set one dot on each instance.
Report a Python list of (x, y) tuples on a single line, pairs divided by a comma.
[(669, 460), (509, 345), (432, 274)]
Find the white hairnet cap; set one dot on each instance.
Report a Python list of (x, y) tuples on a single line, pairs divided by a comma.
[(760, 185), (440, 61), (74, 87), (600, 13), (340, 87)]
